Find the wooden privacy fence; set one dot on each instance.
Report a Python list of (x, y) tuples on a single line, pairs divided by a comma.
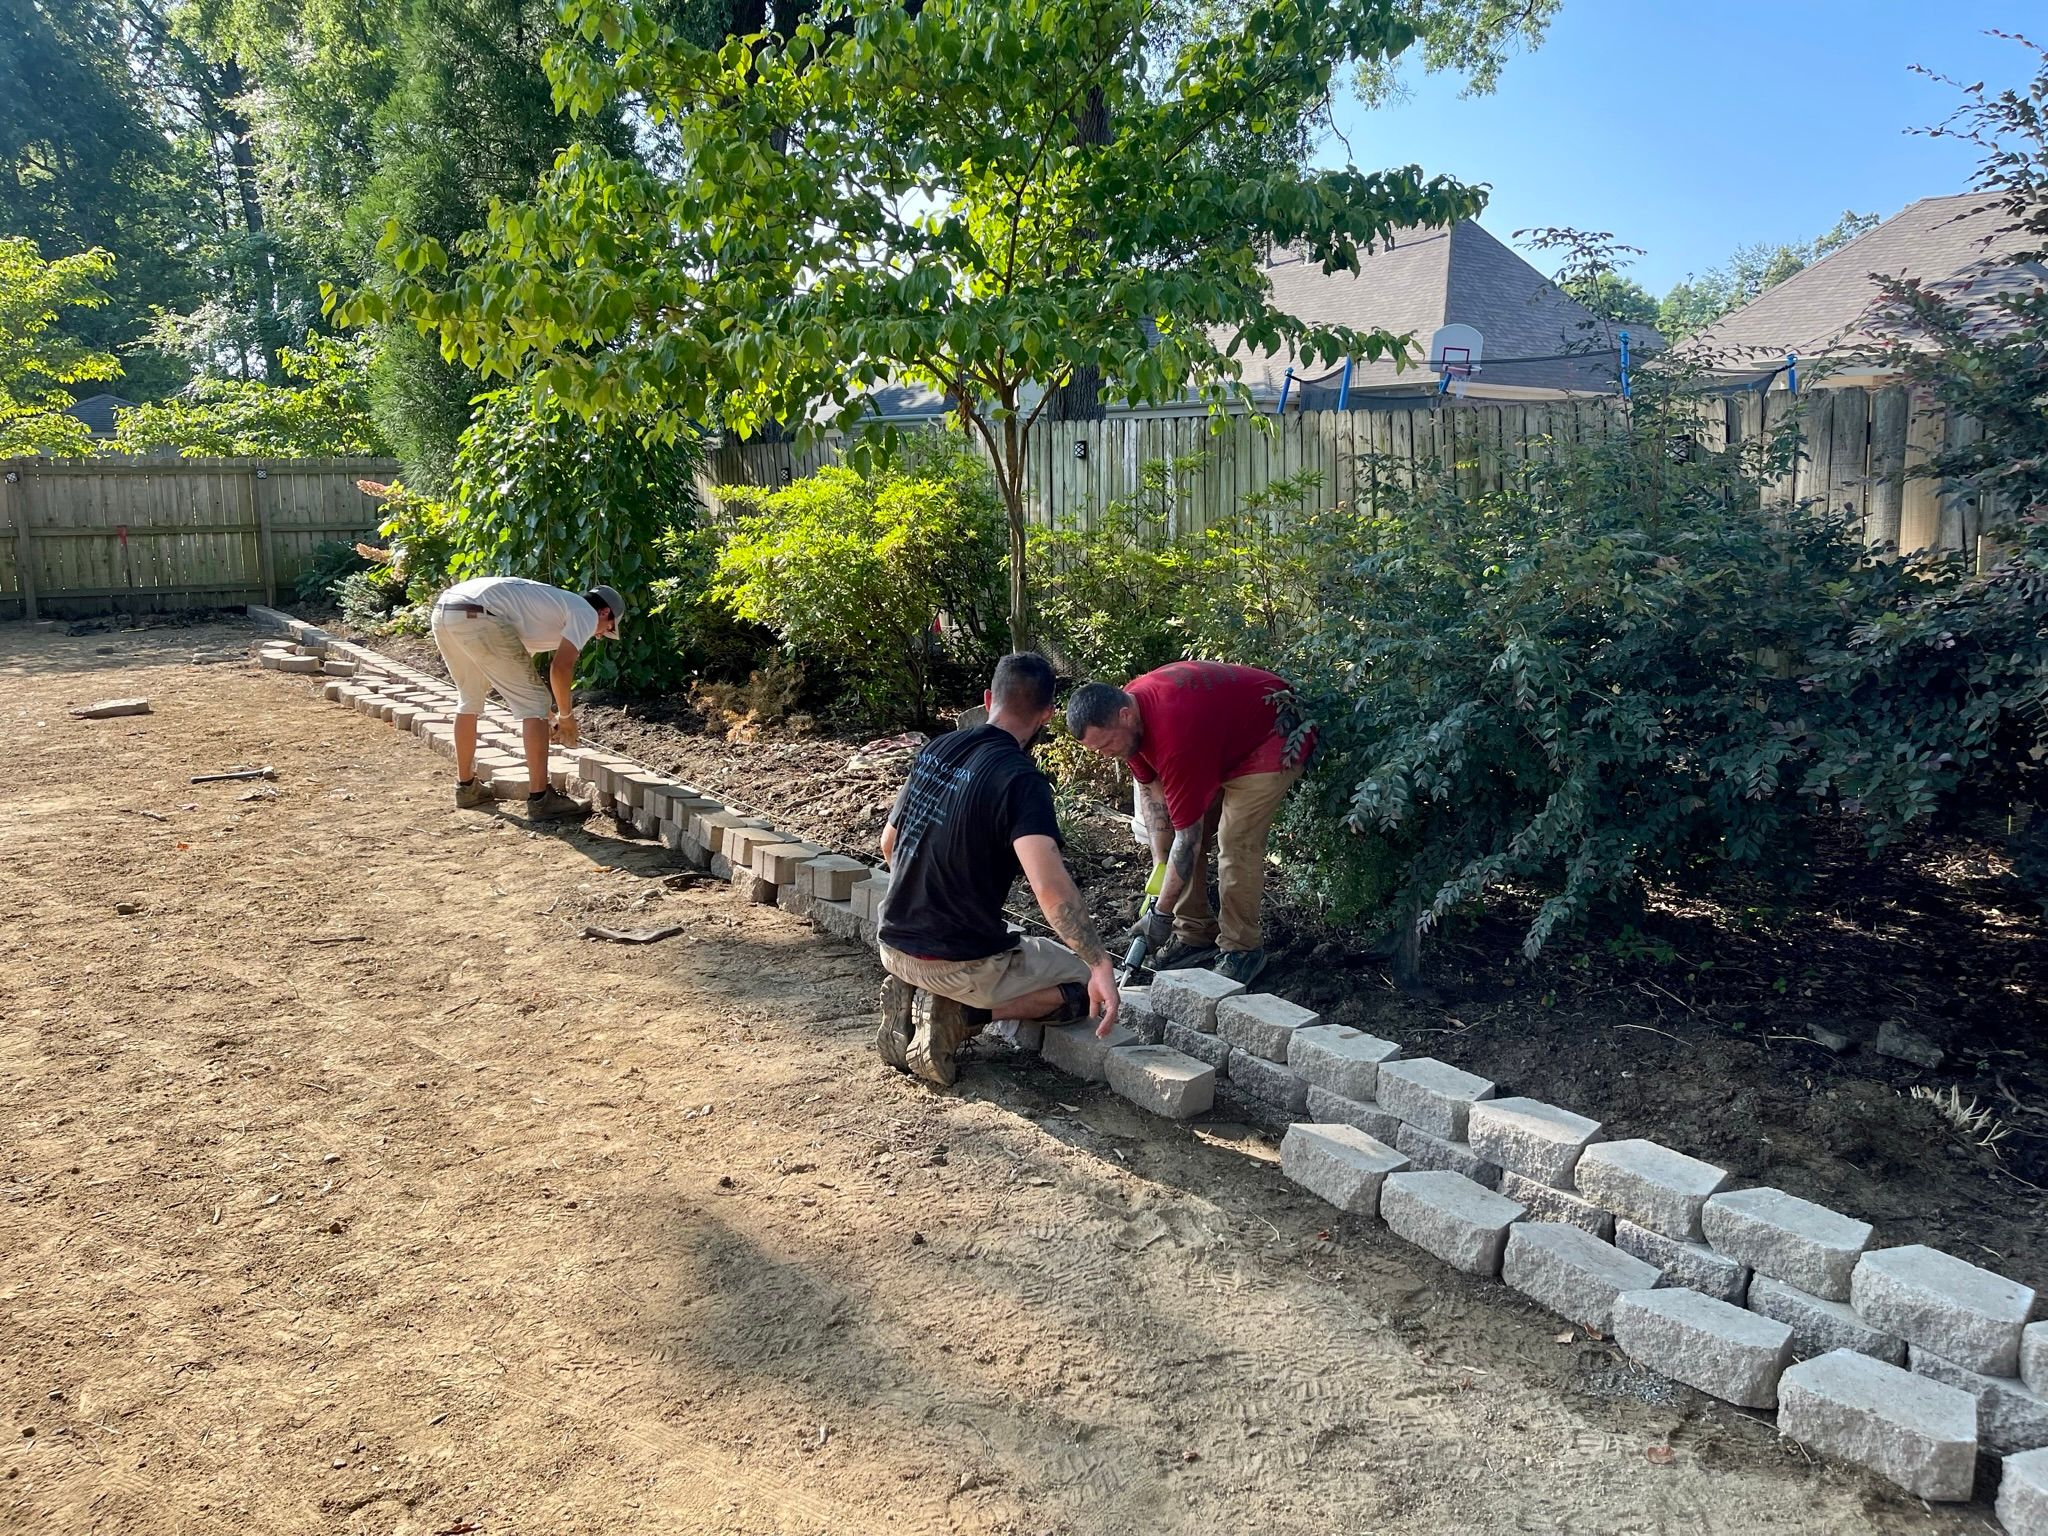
[(1856, 446), (83, 536)]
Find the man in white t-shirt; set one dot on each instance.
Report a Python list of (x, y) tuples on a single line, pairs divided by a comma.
[(489, 630)]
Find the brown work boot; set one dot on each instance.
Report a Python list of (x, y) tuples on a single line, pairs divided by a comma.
[(941, 1031), (471, 793), (892, 1040), (1179, 955), (553, 805)]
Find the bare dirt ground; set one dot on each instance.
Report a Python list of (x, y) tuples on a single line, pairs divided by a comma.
[(348, 1189)]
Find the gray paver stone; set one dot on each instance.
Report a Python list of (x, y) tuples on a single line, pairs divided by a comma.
[(867, 896), (2009, 1417), (1545, 1202), (1136, 1014), (331, 692), (1340, 1059), (1339, 1164), (778, 863), (791, 900), (832, 876), (1190, 997), (1704, 1342), (1820, 1326), (2023, 1494), (761, 892), (1431, 1095), (1262, 1023), (1162, 1080), (1947, 1307), (1537, 1140), (1074, 1049), (1572, 1272), (833, 917), (1268, 1082), (2034, 1357), (1334, 1109), (1434, 1153), (1920, 1434), (1650, 1184), (1787, 1238), (1692, 1265), (1211, 1049), (1448, 1215)]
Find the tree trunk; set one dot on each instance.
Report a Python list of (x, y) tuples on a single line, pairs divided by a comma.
[(249, 189), (1080, 398)]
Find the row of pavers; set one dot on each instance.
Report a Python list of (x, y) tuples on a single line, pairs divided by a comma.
[(1905, 1360)]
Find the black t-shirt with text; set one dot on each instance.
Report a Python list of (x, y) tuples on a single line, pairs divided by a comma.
[(970, 796)]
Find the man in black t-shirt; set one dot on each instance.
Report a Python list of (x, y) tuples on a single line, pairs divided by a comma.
[(976, 813)]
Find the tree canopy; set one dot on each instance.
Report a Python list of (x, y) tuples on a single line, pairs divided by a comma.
[(909, 195), (37, 360)]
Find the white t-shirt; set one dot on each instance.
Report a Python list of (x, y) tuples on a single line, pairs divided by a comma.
[(545, 616)]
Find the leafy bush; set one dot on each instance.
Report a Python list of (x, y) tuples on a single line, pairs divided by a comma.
[(542, 494), (862, 572), (324, 412), (1131, 593), (369, 598), (326, 567), (1620, 669), (425, 536)]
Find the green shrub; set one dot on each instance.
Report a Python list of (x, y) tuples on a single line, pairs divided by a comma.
[(368, 598), (326, 567), (858, 571), (540, 493)]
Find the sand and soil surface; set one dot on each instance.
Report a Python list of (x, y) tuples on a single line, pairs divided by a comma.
[(349, 1189)]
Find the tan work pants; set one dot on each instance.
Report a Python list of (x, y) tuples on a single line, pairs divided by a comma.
[(1236, 828)]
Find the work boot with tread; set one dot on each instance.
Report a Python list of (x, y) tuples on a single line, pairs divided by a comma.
[(1241, 965), (934, 1047), (892, 1040), (1179, 955), (555, 806), (471, 795)]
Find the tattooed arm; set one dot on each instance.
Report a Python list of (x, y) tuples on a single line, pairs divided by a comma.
[(1060, 900)]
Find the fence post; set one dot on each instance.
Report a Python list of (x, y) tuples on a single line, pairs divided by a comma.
[(266, 557), (14, 502)]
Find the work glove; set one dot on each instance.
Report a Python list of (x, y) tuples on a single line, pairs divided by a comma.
[(1154, 926)]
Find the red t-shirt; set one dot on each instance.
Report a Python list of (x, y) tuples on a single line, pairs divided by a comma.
[(1205, 722)]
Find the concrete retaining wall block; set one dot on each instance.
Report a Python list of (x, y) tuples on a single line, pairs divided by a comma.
[(1074, 1049), (1340, 1060), (1427, 1152), (1572, 1272), (1161, 1080), (1947, 1307), (1189, 1041), (1537, 1140), (1268, 1082), (1262, 1023), (2034, 1357), (1190, 997), (1787, 1238), (1702, 1341), (868, 896), (1548, 1203), (1692, 1265), (1330, 1108), (1336, 1163), (2009, 1417), (1451, 1217), (1650, 1184), (778, 863), (1920, 1434), (1431, 1095), (1136, 1015), (832, 876), (2023, 1494), (1820, 1326)]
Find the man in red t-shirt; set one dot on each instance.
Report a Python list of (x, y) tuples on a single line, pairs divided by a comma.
[(1214, 749)]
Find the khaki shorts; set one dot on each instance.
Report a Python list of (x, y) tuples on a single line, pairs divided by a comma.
[(485, 653), (994, 980)]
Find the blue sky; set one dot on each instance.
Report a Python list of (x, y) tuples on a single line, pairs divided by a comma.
[(1691, 129)]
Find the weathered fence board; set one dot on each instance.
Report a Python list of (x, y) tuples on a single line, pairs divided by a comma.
[(85, 536), (1855, 453)]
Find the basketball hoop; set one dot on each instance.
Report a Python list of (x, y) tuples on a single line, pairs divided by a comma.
[(1454, 353)]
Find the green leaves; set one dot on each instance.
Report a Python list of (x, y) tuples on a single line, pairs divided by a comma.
[(38, 358)]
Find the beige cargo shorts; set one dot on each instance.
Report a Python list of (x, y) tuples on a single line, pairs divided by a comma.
[(485, 653), (992, 980)]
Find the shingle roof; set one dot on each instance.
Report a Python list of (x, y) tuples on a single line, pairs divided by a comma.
[(98, 412), (1954, 243), (1428, 278)]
